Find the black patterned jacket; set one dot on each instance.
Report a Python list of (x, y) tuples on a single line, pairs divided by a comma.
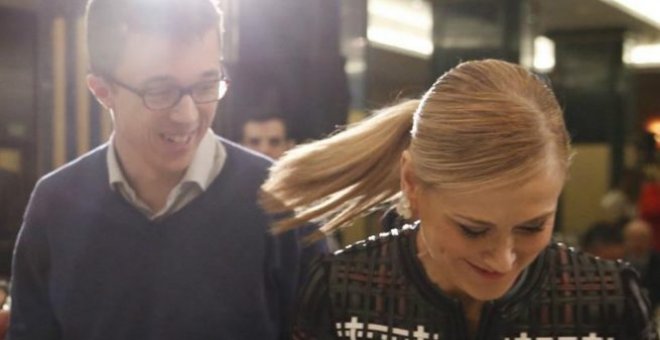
[(377, 289)]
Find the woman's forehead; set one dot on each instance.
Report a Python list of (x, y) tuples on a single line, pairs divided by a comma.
[(515, 201)]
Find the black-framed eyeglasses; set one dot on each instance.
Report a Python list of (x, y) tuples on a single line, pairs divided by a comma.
[(167, 97)]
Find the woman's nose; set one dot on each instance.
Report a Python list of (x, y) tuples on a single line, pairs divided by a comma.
[(502, 257)]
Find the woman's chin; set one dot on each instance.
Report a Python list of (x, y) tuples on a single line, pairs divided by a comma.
[(486, 293)]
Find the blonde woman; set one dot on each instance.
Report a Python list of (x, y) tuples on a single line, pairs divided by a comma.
[(479, 162)]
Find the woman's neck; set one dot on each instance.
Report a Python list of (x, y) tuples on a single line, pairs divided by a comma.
[(434, 271), (472, 309)]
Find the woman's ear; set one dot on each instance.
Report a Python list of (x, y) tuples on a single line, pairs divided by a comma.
[(101, 90), (410, 186)]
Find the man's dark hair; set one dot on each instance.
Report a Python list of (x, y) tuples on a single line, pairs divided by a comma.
[(601, 233), (110, 21), (262, 118), (269, 107)]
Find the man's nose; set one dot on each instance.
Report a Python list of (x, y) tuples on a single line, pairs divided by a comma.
[(263, 148), (185, 111)]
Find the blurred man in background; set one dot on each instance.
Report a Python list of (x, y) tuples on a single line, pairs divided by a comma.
[(638, 244), (603, 239), (267, 135)]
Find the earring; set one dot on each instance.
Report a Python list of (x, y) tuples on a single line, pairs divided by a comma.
[(403, 207), (426, 245)]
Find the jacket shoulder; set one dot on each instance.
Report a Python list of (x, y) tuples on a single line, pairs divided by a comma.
[(382, 242), (585, 292)]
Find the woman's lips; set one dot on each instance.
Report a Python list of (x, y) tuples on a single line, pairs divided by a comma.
[(491, 275)]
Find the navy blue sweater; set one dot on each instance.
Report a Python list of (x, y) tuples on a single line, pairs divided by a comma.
[(89, 266)]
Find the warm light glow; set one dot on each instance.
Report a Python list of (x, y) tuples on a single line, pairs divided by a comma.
[(401, 25), (647, 10), (653, 127), (544, 54)]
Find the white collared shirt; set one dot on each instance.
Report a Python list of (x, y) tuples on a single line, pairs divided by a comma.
[(204, 168)]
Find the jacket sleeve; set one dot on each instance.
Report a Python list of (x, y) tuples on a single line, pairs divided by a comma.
[(32, 316), (312, 317), (289, 260), (638, 315)]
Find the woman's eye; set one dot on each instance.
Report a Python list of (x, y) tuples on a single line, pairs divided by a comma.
[(531, 229), (472, 232)]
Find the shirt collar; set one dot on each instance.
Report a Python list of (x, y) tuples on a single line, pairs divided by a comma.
[(202, 169), (115, 174)]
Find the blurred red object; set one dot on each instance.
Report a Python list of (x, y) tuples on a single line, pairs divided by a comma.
[(649, 209), (4, 323)]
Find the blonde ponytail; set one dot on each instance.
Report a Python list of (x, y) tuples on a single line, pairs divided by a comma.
[(484, 123), (341, 177)]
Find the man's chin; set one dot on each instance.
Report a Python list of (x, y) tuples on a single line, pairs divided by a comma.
[(174, 166)]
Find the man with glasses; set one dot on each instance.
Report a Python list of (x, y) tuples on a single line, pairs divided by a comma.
[(156, 234)]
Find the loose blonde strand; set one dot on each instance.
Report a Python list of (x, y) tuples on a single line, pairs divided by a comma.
[(341, 177)]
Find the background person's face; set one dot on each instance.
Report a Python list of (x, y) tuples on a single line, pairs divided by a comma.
[(267, 137), (478, 243), (638, 238), (164, 141)]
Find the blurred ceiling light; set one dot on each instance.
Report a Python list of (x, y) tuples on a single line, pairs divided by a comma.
[(404, 26), (544, 54), (355, 67), (635, 54), (400, 41), (410, 13), (647, 10), (643, 55)]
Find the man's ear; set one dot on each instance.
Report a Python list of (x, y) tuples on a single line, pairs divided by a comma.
[(410, 185), (101, 90)]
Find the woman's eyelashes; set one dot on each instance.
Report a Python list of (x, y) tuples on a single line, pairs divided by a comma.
[(473, 232), (476, 232)]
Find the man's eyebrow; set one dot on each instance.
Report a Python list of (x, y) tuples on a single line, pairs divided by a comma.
[(167, 80), (157, 80), (534, 220), (211, 74)]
